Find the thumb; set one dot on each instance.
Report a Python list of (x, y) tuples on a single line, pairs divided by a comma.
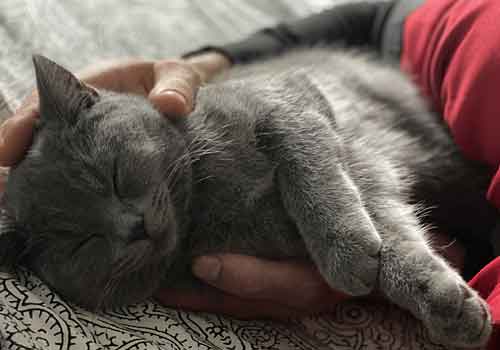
[(175, 86)]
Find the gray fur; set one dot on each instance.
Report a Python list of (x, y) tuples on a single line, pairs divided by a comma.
[(321, 155)]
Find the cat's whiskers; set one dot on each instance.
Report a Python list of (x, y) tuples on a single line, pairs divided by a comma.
[(197, 149), (107, 292), (172, 170), (128, 264)]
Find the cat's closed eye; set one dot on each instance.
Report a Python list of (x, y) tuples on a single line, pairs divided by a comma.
[(87, 240), (117, 185), (128, 187)]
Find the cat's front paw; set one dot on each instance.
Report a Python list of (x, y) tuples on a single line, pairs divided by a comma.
[(458, 316), (356, 265)]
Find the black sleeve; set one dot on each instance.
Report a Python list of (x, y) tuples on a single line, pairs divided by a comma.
[(358, 23)]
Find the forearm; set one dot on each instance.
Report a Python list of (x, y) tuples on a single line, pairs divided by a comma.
[(358, 23)]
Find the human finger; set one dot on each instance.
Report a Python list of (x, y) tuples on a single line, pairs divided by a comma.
[(286, 282), (215, 301), (16, 135), (174, 91)]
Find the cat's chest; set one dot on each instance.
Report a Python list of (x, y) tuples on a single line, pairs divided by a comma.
[(237, 207), (230, 186)]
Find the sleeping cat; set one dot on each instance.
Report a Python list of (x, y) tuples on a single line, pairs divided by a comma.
[(320, 155)]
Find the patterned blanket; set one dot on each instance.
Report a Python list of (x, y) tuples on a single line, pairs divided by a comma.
[(78, 33)]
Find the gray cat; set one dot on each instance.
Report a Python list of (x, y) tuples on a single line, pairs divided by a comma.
[(319, 155)]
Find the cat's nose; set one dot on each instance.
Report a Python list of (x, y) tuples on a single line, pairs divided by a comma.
[(138, 231)]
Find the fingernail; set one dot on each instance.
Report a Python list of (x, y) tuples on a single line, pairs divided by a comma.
[(173, 93), (207, 268)]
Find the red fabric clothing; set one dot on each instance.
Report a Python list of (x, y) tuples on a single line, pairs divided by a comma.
[(452, 50), (487, 283)]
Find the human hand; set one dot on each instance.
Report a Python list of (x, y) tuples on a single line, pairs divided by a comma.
[(247, 287), (170, 85)]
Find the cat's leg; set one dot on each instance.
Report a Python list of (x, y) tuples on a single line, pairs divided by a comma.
[(417, 279), (320, 197)]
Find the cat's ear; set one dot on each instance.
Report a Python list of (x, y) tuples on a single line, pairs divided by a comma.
[(12, 242), (62, 96)]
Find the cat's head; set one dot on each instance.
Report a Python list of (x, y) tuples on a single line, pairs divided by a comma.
[(96, 206)]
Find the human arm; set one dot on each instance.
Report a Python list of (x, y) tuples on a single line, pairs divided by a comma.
[(358, 23)]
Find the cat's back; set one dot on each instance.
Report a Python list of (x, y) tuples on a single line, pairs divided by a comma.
[(368, 98), (335, 70), (365, 94), (383, 120)]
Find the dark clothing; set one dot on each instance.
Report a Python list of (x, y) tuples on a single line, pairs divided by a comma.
[(375, 24), (351, 24)]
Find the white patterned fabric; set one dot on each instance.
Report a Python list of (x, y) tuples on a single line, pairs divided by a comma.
[(33, 317), (77, 33)]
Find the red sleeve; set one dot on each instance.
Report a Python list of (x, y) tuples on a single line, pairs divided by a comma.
[(452, 50), (487, 283)]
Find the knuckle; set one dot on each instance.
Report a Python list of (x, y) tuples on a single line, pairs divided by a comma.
[(180, 69), (171, 63), (28, 104), (4, 129)]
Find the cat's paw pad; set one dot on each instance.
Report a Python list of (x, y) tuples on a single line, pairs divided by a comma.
[(356, 267), (459, 317)]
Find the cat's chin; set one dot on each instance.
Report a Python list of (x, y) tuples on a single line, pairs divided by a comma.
[(132, 286)]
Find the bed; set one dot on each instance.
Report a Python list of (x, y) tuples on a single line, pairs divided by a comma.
[(77, 33)]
